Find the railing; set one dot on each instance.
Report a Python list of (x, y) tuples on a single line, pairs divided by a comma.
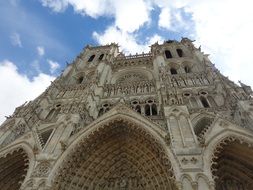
[(134, 56)]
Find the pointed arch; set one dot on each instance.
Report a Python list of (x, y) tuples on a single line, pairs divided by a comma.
[(203, 181), (230, 156), (173, 71), (204, 102), (201, 126), (101, 57), (124, 151), (168, 54), (16, 163), (180, 52), (138, 73), (91, 58), (233, 165)]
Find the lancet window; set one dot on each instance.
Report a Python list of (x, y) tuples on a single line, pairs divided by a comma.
[(80, 79), (180, 52), (150, 108), (168, 54), (136, 106), (91, 58), (53, 113), (204, 102), (101, 57), (187, 69)]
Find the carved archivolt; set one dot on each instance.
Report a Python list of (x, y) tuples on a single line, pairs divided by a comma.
[(232, 164), (119, 155), (130, 75), (202, 127), (13, 169)]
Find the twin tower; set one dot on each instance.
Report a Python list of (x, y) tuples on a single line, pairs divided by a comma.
[(163, 120)]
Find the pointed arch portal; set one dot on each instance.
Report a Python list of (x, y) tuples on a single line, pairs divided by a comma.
[(13, 169), (233, 165), (119, 155)]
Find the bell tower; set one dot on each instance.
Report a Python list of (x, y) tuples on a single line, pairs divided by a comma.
[(166, 119)]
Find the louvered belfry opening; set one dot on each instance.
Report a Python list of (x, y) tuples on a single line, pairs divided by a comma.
[(234, 166), (13, 170), (118, 156)]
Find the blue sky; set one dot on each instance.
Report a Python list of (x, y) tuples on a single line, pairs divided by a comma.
[(61, 35), (38, 37)]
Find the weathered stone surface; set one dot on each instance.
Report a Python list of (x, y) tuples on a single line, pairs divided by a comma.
[(167, 119)]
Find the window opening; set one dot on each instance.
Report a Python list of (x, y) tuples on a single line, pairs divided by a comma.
[(80, 80), (204, 102), (101, 57), (173, 71), (138, 108), (180, 52), (147, 109), (45, 136), (187, 69), (168, 54), (154, 109), (91, 58)]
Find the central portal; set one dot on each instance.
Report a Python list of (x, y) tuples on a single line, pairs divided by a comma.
[(117, 156)]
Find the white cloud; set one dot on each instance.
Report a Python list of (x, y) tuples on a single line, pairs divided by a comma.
[(40, 50), (129, 15), (155, 38), (53, 65), (15, 39), (225, 33), (93, 8), (223, 28), (127, 41), (17, 88), (165, 18), (56, 5)]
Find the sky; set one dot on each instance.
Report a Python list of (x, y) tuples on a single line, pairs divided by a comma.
[(39, 37)]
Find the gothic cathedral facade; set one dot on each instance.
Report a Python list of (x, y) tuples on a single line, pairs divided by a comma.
[(163, 120)]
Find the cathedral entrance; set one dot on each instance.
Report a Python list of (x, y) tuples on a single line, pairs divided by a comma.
[(13, 169), (118, 156), (234, 166)]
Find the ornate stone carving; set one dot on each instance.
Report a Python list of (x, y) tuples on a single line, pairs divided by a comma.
[(42, 169), (145, 144), (126, 174), (167, 139), (17, 131)]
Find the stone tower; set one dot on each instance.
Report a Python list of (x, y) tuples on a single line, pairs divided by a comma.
[(164, 120)]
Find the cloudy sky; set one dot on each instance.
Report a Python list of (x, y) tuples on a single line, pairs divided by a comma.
[(38, 37)]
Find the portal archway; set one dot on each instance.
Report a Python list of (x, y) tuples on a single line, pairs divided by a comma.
[(13, 169), (233, 165), (120, 155)]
